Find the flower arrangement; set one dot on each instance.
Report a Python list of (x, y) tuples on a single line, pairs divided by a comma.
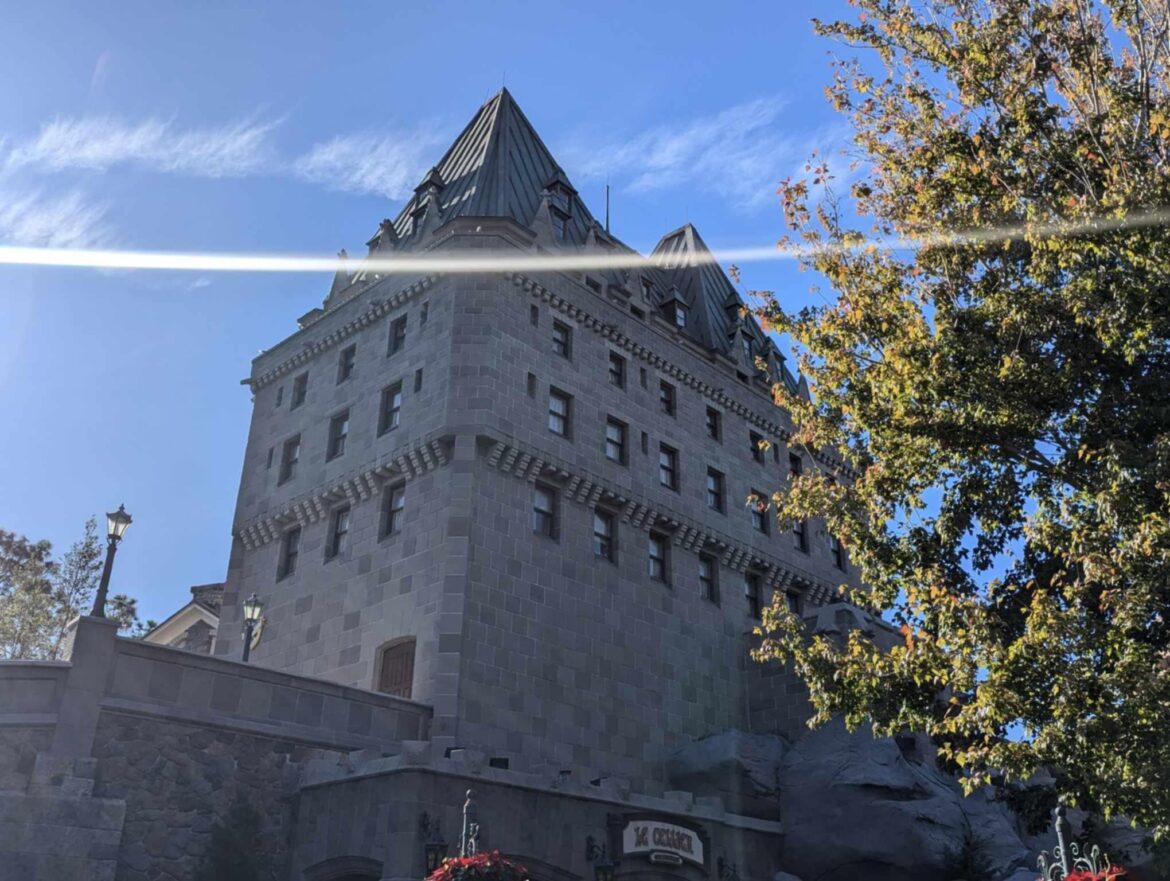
[(489, 866), (1109, 873)]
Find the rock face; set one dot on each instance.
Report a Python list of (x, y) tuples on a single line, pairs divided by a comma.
[(856, 806), (741, 769)]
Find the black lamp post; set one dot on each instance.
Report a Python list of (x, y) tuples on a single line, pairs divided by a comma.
[(252, 609), (603, 866), (434, 846), (116, 525)]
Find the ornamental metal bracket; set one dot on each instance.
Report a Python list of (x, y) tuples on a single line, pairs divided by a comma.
[(1068, 856)]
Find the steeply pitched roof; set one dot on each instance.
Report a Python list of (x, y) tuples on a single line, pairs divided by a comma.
[(497, 167)]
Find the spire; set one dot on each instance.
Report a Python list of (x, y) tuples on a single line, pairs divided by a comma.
[(498, 167)]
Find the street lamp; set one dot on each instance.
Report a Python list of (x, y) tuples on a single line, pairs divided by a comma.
[(252, 609), (603, 866), (116, 525), (434, 845)]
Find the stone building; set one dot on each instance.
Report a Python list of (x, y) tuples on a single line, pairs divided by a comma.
[(502, 526)]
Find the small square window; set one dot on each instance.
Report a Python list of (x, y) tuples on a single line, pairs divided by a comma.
[(300, 391), (397, 335), (604, 538), (544, 510), (792, 600), (668, 467), (714, 424), (338, 433), (289, 455), (338, 533), (708, 578), (715, 490), (617, 370), (390, 409), (560, 407), (657, 558), (393, 505), (751, 589), (345, 363), (562, 339), (290, 545), (666, 398), (615, 440)]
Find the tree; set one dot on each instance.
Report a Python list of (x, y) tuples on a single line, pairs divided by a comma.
[(39, 596), (999, 390)]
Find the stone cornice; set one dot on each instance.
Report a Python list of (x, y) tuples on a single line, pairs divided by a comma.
[(683, 376), (375, 310), (587, 489), (403, 463)]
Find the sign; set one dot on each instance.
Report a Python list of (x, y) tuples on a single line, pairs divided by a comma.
[(662, 841)]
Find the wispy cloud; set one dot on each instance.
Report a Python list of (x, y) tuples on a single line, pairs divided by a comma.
[(740, 153), (384, 165), (99, 143), (62, 220)]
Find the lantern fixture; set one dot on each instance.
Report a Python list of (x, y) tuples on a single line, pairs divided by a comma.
[(252, 609), (117, 522)]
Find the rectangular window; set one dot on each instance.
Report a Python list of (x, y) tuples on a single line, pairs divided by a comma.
[(289, 454), (338, 432), (393, 504), (271, 452), (714, 424), (758, 504), (424, 313), (397, 335), (604, 544), (645, 443), (666, 399), (418, 380), (532, 385), (755, 441), (617, 370), (680, 315), (562, 339), (345, 363), (751, 589), (792, 599), (615, 441), (560, 408), (642, 377), (534, 315), (799, 527), (708, 585), (290, 545), (668, 466), (657, 558), (279, 397), (560, 224), (390, 410), (544, 510), (338, 530), (838, 550), (715, 490), (300, 391)]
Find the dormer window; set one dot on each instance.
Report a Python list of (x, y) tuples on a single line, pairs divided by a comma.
[(648, 290), (680, 315), (416, 219), (747, 351), (560, 224)]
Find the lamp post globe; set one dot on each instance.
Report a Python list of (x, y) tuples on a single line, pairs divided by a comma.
[(117, 522), (252, 609)]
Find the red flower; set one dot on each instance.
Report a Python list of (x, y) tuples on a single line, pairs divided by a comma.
[(1110, 873), (489, 866)]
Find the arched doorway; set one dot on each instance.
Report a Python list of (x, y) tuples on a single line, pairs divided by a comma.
[(347, 868)]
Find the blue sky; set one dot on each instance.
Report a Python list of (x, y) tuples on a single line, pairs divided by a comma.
[(295, 127)]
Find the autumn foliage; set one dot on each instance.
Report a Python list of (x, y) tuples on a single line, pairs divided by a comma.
[(993, 363)]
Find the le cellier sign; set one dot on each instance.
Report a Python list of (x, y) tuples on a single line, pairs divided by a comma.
[(662, 842)]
